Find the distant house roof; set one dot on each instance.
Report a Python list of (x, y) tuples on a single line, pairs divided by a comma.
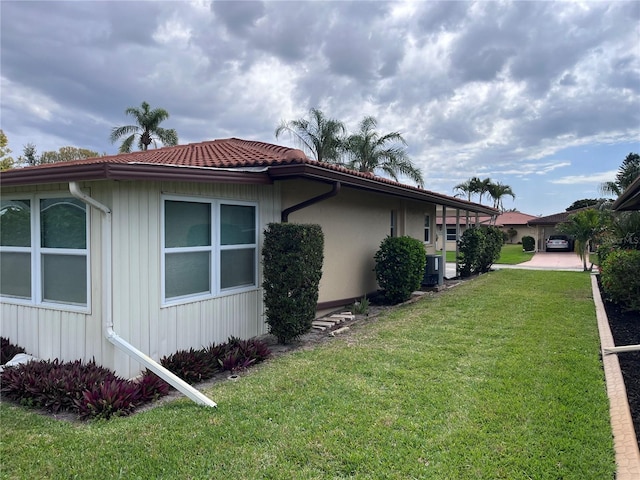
[(506, 218), (231, 160), (630, 198)]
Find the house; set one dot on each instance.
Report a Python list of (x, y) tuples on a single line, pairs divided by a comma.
[(131, 257), (506, 221), (546, 226)]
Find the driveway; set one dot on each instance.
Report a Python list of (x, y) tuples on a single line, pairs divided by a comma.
[(566, 261), (551, 261)]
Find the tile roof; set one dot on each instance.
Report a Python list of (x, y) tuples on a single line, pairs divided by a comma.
[(232, 160), (514, 218)]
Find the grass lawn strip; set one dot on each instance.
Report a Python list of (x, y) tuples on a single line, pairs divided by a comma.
[(498, 378)]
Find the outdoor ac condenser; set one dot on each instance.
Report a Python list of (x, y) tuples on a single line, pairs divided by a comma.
[(433, 271)]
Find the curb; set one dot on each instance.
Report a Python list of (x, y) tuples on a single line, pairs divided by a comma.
[(624, 436)]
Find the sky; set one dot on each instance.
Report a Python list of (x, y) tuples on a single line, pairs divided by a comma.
[(541, 96)]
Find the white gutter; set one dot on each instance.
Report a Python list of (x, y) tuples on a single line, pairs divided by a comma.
[(622, 348), (107, 314)]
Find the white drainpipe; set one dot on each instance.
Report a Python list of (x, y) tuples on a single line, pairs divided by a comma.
[(107, 313)]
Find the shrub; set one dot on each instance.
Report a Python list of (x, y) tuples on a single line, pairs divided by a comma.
[(528, 243), (8, 350), (114, 397), (191, 365), (52, 385), (400, 263), (479, 248), (620, 279), (152, 387), (292, 261)]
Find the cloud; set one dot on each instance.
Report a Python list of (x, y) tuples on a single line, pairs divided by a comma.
[(597, 178)]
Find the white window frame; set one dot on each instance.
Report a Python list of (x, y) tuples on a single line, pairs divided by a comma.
[(427, 228), (214, 250), (393, 224), (37, 251), (447, 234)]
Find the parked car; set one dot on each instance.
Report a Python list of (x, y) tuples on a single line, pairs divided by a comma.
[(558, 242)]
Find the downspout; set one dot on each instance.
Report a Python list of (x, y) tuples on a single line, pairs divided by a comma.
[(284, 216), (107, 314)]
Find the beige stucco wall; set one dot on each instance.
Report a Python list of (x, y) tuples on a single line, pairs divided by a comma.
[(354, 224)]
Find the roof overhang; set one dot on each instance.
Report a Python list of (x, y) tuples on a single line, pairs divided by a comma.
[(130, 171), (630, 198), (373, 184)]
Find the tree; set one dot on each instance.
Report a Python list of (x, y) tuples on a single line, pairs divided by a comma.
[(497, 191), (321, 137), (369, 151), (586, 202), (147, 129), (468, 188), (482, 187), (585, 226), (6, 161), (30, 156), (627, 173)]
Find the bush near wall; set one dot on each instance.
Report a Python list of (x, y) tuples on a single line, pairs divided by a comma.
[(528, 243), (400, 263), (620, 278), (292, 265)]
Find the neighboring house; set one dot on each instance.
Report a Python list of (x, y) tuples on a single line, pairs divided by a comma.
[(160, 251), (505, 221), (547, 226)]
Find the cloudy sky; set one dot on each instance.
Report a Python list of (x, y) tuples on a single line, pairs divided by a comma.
[(542, 96)]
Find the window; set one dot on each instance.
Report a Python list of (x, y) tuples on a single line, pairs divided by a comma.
[(427, 229), (210, 247), (44, 256), (451, 234), (393, 223)]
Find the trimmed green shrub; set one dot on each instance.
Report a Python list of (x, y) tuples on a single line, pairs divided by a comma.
[(400, 263), (528, 243), (292, 257), (479, 248), (620, 278)]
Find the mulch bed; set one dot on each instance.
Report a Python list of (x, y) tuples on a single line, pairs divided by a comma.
[(625, 328)]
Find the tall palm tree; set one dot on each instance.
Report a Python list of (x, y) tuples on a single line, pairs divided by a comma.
[(482, 187), (585, 226), (369, 151), (497, 191), (319, 136), (627, 173), (147, 129), (468, 188)]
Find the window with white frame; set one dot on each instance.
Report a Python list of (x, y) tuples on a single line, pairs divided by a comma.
[(427, 229), (451, 234), (43, 251), (209, 247)]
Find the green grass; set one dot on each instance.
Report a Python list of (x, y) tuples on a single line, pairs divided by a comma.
[(511, 254), (498, 378)]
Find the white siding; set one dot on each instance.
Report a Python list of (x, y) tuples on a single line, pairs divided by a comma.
[(138, 316)]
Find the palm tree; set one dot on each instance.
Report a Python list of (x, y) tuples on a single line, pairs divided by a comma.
[(482, 187), (319, 136), (468, 188), (498, 190), (369, 151), (585, 226), (147, 130), (627, 173)]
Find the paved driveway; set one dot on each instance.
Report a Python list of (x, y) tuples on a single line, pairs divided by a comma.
[(567, 261), (552, 261)]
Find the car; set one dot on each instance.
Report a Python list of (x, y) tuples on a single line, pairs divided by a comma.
[(558, 242)]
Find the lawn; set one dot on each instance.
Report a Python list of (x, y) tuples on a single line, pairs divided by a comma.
[(498, 378), (511, 254)]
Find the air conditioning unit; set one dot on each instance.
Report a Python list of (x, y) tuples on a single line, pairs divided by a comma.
[(433, 271)]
